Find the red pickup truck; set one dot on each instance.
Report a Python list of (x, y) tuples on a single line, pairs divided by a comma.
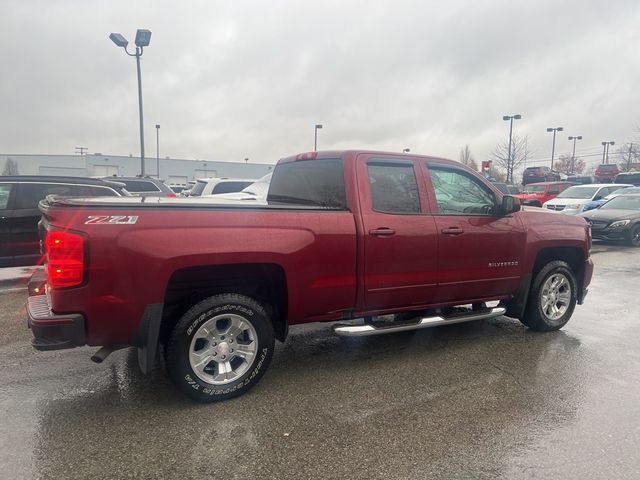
[(381, 242)]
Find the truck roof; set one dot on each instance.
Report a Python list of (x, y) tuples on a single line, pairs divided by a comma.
[(323, 154)]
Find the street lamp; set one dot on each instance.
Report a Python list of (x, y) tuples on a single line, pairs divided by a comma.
[(553, 145), (510, 119), (158, 150), (315, 138), (143, 37), (605, 150), (573, 155), (406, 150)]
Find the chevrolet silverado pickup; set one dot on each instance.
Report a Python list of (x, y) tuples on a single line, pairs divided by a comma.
[(373, 242)]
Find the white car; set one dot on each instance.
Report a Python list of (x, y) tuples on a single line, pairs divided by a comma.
[(254, 193), (209, 186), (574, 199)]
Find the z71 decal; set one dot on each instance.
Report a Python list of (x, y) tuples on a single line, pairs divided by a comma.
[(111, 219)]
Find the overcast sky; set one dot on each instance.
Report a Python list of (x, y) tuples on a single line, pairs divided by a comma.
[(233, 79)]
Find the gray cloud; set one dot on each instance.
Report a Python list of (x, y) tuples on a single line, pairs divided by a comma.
[(228, 80)]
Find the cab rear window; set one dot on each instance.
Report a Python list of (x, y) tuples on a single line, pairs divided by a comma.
[(316, 183)]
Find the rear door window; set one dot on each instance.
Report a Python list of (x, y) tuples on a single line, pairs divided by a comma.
[(553, 190), (394, 188), (30, 194), (103, 192), (230, 187), (139, 186)]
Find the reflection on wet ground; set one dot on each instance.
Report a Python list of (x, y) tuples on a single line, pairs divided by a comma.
[(481, 400)]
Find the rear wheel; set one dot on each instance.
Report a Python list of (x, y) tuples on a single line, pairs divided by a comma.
[(552, 299), (220, 348), (633, 237)]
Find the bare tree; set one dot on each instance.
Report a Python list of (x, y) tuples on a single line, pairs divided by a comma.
[(519, 155), (627, 155), (10, 167), (466, 158), (568, 165)]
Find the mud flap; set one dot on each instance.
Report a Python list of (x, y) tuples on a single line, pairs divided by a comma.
[(146, 337)]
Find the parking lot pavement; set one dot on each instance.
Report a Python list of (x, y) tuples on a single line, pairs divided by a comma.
[(480, 400)]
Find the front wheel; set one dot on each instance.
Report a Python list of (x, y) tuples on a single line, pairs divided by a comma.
[(633, 237), (220, 348), (552, 299)]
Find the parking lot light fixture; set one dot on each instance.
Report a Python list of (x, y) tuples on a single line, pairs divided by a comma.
[(605, 150), (573, 155), (553, 144), (143, 38), (315, 137), (510, 119)]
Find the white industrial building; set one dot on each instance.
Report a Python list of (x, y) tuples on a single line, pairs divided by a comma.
[(174, 171)]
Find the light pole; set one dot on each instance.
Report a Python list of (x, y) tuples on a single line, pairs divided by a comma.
[(143, 37), (406, 150), (158, 150), (510, 119), (553, 144), (315, 137), (605, 150), (573, 155)]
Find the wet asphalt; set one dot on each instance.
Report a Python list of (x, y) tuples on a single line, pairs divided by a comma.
[(487, 399)]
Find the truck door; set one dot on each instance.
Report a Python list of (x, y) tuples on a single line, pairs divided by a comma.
[(400, 236), (479, 252)]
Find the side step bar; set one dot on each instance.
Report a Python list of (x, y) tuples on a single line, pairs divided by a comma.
[(366, 330)]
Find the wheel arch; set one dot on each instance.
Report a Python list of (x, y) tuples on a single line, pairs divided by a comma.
[(573, 256), (264, 282)]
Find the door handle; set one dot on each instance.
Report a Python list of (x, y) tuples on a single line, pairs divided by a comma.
[(452, 231), (382, 232)]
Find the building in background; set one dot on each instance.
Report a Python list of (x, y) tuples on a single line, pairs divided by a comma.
[(173, 171)]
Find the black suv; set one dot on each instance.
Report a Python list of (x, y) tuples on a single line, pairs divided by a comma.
[(19, 214), (144, 186)]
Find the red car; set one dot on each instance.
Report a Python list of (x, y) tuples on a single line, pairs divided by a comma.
[(606, 172), (535, 194)]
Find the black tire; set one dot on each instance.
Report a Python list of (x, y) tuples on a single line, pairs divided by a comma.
[(179, 346), (535, 317), (633, 238)]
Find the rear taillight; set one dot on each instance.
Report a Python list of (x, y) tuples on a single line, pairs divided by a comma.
[(171, 195), (65, 259)]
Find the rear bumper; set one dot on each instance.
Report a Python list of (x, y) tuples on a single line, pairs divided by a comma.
[(51, 331)]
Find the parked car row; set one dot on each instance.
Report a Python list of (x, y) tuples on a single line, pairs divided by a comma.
[(19, 214), (574, 199), (20, 195)]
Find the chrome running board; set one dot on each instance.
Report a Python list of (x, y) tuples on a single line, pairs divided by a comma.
[(346, 330)]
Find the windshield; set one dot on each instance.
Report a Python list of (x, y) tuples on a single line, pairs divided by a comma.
[(260, 186), (623, 202), (535, 189), (620, 191), (608, 167), (578, 192)]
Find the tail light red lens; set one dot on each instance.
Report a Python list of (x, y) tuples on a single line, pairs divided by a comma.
[(65, 259), (171, 195)]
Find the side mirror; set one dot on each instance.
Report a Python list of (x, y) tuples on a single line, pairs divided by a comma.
[(509, 205)]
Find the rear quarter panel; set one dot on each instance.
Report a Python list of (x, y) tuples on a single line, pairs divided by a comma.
[(130, 265)]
